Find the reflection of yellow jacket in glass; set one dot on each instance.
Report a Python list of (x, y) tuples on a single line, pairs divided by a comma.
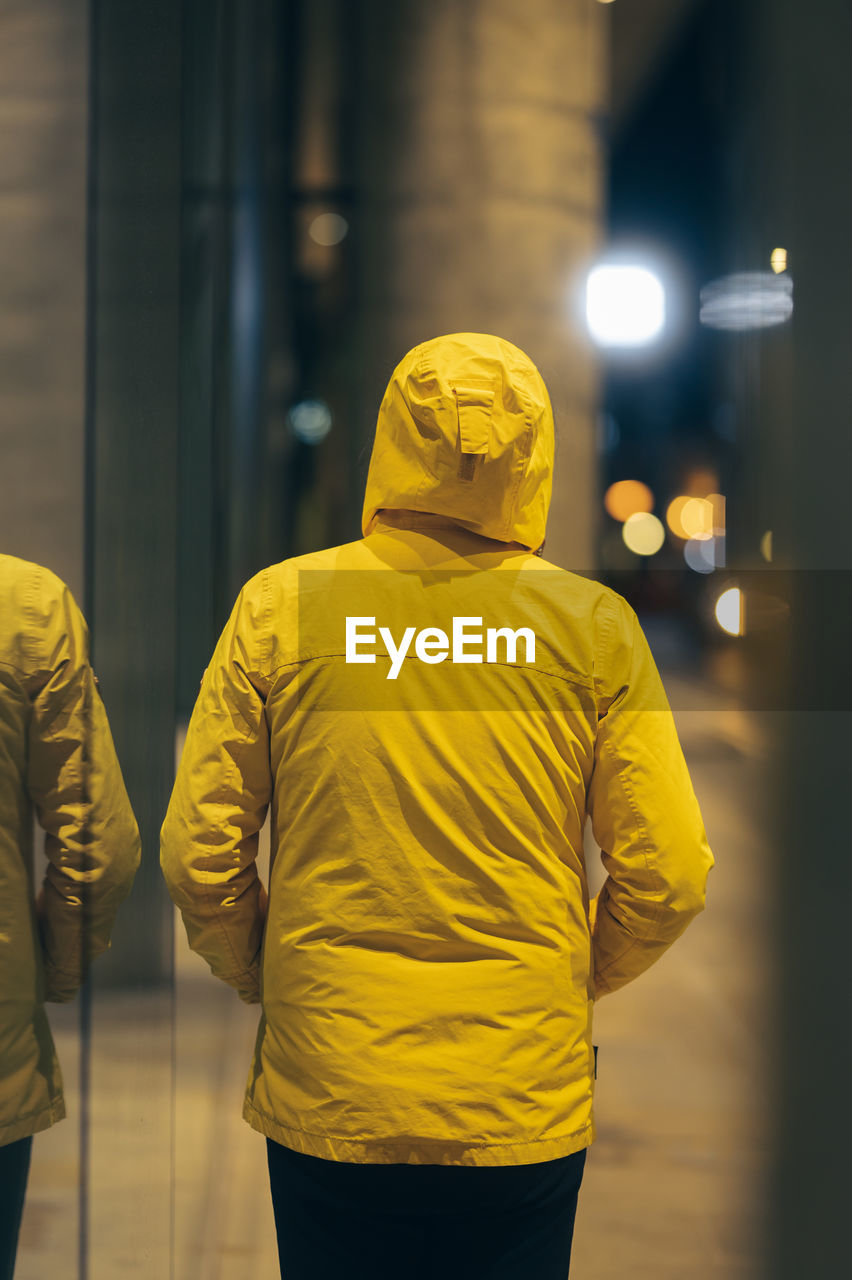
[(429, 961), (57, 756)]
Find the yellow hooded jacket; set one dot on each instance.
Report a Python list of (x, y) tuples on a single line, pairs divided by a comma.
[(57, 758), (428, 960)]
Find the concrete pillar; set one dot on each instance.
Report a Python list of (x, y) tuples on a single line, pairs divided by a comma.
[(481, 177), (43, 99), (43, 121)]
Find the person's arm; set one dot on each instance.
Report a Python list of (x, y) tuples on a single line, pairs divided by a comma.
[(644, 813), (209, 839), (74, 780)]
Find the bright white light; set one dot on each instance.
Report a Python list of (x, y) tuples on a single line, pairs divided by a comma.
[(625, 306), (747, 300), (310, 420), (328, 228), (729, 611)]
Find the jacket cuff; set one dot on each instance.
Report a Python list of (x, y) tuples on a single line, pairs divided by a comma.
[(61, 985), (246, 983)]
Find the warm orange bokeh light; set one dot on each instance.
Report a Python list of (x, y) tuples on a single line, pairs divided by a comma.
[(692, 517), (717, 501), (674, 512), (624, 498), (696, 518)]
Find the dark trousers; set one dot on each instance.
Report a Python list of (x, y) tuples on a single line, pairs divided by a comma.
[(423, 1221), (14, 1168)]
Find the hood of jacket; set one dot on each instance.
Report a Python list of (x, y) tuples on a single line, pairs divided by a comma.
[(465, 430)]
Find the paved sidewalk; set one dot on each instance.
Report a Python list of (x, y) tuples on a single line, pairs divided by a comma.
[(675, 1183)]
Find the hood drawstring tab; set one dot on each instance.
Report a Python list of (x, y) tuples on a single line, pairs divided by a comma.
[(475, 407)]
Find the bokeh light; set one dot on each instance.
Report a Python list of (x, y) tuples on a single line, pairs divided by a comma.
[(729, 611), (700, 554), (643, 533), (328, 228), (625, 497), (747, 300), (689, 516), (696, 518), (673, 515), (310, 420), (766, 546), (625, 305), (778, 261), (717, 502)]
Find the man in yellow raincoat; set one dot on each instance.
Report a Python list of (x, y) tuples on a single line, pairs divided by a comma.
[(57, 759), (431, 712)]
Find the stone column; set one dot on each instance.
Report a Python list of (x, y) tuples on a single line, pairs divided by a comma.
[(43, 100), (481, 171)]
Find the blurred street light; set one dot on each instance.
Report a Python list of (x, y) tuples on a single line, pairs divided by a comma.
[(703, 555), (729, 611), (696, 518), (625, 497), (674, 513), (690, 516), (778, 261), (643, 533), (310, 420), (328, 228), (747, 300), (625, 305)]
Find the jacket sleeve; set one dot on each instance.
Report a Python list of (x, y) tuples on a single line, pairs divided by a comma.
[(74, 780), (209, 839), (644, 814)]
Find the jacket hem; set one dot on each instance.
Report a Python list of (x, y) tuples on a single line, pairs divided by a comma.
[(35, 1122), (417, 1150)]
